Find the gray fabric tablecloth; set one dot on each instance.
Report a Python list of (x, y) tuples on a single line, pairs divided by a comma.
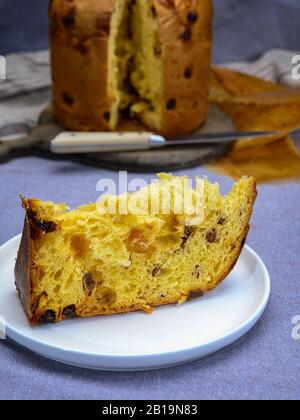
[(265, 364)]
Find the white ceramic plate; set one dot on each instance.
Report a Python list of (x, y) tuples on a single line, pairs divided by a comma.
[(171, 335)]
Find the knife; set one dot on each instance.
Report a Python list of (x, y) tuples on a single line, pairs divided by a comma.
[(98, 142), (51, 138)]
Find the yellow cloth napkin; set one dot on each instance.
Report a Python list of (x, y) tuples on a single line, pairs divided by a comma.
[(254, 104)]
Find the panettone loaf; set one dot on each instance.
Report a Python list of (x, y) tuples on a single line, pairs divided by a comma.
[(85, 262), (146, 59)]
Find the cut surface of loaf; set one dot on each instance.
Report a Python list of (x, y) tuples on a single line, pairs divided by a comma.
[(86, 262), (145, 59)]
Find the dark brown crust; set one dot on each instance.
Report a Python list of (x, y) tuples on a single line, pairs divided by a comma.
[(23, 268), (33, 230), (184, 44), (79, 54)]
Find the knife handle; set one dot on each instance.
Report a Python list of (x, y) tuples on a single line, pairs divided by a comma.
[(94, 142)]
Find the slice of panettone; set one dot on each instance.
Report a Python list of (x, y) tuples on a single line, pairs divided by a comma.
[(88, 262)]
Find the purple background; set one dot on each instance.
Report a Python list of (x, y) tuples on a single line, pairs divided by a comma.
[(265, 364)]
